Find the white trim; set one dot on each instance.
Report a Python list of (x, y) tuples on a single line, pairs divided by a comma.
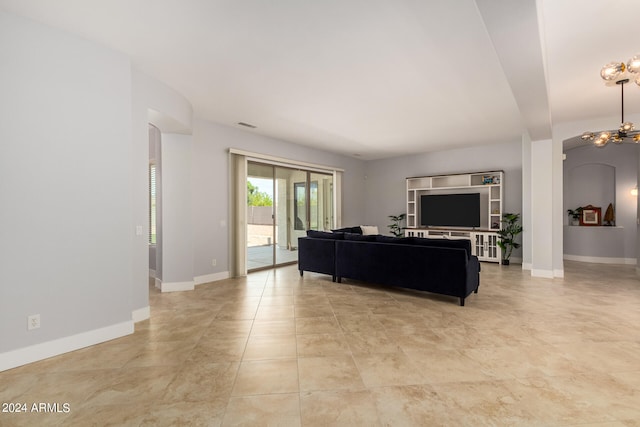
[(213, 277), (600, 260), (33, 353), (141, 314), (152, 273), (535, 272), (558, 273), (281, 161), (175, 286), (527, 266)]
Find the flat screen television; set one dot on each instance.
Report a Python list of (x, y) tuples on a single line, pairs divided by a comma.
[(450, 210)]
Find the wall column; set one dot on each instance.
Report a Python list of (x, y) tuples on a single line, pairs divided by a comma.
[(176, 231), (544, 239)]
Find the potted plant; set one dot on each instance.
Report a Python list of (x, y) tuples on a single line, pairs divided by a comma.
[(574, 214), (508, 233), (395, 226)]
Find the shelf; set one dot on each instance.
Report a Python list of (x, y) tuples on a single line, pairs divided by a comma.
[(488, 184)]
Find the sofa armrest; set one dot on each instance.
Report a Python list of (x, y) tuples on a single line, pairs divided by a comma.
[(317, 255)]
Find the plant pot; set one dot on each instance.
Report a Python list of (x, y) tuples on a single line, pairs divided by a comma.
[(505, 262)]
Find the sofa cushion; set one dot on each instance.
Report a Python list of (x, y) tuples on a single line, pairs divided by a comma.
[(390, 239), (359, 237), (324, 235), (444, 243), (355, 230)]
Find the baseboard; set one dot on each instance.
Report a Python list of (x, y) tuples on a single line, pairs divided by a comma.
[(213, 277), (174, 286), (559, 273), (527, 266), (600, 260), (23, 356), (536, 272), (141, 314), (152, 273)]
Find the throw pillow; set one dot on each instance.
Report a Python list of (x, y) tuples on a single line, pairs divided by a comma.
[(369, 230)]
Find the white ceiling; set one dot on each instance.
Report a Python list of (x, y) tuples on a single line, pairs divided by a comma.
[(376, 78)]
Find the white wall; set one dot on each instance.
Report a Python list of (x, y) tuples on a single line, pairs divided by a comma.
[(66, 227), (386, 185)]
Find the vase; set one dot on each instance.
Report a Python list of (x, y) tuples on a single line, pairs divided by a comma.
[(505, 262)]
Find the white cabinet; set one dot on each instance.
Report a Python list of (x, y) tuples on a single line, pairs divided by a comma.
[(484, 244), (485, 247), (484, 239)]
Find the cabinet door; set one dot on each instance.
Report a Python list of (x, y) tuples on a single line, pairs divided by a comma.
[(486, 247)]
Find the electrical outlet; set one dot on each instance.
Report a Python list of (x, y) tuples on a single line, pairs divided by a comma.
[(33, 322), (214, 262)]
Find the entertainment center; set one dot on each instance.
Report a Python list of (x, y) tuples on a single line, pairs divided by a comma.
[(459, 206)]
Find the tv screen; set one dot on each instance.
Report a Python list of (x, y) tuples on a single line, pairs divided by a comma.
[(450, 210)]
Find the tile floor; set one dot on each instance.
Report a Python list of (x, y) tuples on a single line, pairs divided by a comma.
[(279, 350)]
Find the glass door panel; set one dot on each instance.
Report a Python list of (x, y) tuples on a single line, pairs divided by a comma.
[(260, 216), (290, 213), (320, 201)]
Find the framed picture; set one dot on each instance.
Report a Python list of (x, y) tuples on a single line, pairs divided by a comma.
[(591, 216)]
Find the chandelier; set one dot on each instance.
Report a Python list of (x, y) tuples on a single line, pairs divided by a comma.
[(618, 73)]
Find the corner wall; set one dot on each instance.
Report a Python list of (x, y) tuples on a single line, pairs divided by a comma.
[(66, 228)]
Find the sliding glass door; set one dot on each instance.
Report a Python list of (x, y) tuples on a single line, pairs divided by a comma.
[(282, 203)]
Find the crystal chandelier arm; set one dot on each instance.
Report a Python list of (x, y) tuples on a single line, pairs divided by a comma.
[(622, 100)]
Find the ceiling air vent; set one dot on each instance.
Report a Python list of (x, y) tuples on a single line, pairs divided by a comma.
[(248, 125)]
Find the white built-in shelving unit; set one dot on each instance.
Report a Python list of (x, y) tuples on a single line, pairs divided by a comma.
[(490, 187)]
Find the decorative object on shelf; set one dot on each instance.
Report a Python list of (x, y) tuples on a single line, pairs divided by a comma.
[(396, 224), (487, 179), (591, 216), (610, 216), (575, 215), (508, 233), (619, 74)]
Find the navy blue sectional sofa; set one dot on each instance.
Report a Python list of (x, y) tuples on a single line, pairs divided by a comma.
[(435, 265)]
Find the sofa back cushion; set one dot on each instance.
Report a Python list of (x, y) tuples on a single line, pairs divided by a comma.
[(325, 235), (359, 237), (389, 239), (354, 230), (444, 243)]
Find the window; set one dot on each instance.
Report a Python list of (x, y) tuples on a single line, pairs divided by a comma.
[(152, 204)]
